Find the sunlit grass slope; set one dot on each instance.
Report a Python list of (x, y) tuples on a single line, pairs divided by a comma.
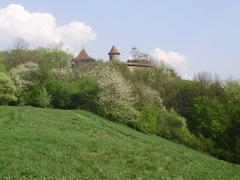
[(59, 144)]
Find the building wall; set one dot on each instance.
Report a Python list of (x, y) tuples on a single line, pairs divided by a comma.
[(132, 68), (114, 57), (76, 64)]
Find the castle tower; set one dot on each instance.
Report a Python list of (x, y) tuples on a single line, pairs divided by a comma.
[(114, 54), (82, 58), (83, 55)]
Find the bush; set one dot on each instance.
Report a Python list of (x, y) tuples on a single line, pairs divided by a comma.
[(85, 94), (35, 96), (3, 68), (7, 90), (209, 118), (232, 104), (43, 99), (81, 93), (60, 92), (146, 96), (163, 79), (22, 75), (147, 121), (170, 125)]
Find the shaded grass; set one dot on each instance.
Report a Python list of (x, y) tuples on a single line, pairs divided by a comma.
[(59, 144)]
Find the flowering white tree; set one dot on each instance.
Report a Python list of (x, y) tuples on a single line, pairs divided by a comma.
[(63, 73), (116, 99), (21, 74)]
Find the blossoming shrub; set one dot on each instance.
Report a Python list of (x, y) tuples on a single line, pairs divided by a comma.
[(7, 90), (116, 100)]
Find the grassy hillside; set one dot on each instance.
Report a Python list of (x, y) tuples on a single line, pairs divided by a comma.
[(57, 144)]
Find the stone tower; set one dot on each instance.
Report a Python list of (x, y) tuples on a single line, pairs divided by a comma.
[(114, 54)]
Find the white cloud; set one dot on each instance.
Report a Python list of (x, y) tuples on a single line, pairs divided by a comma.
[(174, 59), (40, 29)]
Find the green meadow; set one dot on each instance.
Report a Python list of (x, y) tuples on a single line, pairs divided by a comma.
[(73, 144)]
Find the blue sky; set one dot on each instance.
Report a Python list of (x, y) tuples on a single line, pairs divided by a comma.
[(206, 33)]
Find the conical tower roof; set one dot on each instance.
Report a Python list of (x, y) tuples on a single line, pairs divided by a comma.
[(114, 50), (83, 55)]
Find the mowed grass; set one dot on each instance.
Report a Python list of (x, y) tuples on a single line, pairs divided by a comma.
[(59, 144)]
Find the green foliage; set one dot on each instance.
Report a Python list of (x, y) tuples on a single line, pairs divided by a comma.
[(43, 99), (146, 96), (209, 117), (163, 79), (60, 92), (170, 125), (81, 93), (232, 89), (148, 117), (3, 68), (184, 99), (85, 94), (57, 58), (7, 90), (19, 56), (36, 96), (123, 69)]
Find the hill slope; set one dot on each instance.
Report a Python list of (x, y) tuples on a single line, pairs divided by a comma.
[(59, 144)]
